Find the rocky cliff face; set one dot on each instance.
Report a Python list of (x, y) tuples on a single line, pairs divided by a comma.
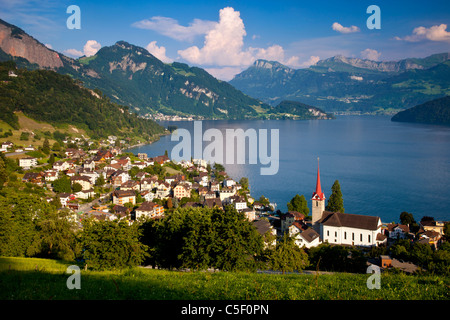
[(18, 44)]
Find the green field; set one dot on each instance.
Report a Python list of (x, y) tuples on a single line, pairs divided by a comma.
[(42, 279)]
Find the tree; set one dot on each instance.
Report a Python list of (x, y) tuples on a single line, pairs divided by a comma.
[(51, 159), (3, 173), (57, 235), (46, 146), (287, 256), (56, 147), (111, 244), (335, 202), (62, 185), (299, 204), (406, 218), (76, 187), (244, 182)]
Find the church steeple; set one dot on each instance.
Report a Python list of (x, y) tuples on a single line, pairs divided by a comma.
[(318, 194), (318, 202)]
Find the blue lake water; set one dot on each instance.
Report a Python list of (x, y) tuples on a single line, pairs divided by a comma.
[(383, 167)]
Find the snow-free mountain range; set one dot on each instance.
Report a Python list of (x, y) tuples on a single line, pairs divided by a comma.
[(129, 75)]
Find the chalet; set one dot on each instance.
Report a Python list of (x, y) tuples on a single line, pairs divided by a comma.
[(61, 166), (125, 164), (303, 235), (397, 231), (51, 175), (431, 237), (148, 195), (7, 145), (71, 172), (150, 210), (149, 183), (119, 177), (210, 195), (33, 177), (214, 186), (85, 182), (89, 164), (27, 162), (163, 189), (121, 197), (249, 213), (229, 183), (130, 185)]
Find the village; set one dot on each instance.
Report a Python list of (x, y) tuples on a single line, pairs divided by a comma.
[(109, 184)]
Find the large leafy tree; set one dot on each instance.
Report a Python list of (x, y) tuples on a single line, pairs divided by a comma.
[(299, 204), (287, 256), (335, 202), (110, 245)]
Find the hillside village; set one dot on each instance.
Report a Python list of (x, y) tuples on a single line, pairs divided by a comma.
[(108, 184)]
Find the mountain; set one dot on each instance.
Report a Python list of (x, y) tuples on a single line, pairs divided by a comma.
[(350, 84), (434, 112), (46, 96), (129, 75)]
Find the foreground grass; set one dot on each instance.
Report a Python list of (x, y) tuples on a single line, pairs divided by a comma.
[(41, 279)]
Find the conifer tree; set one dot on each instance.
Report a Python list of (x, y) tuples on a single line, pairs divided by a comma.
[(335, 202)]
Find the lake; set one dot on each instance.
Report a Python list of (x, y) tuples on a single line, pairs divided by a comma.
[(383, 167)]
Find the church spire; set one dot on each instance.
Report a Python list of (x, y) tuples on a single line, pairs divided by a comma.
[(318, 194)]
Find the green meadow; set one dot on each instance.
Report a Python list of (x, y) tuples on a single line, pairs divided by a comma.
[(43, 279)]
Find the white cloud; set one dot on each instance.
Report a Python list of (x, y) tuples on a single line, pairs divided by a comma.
[(90, 48), (224, 45), (339, 28), (370, 54), (158, 52), (434, 33), (225, 73), (170, 27), (48, 45), (73, 53)]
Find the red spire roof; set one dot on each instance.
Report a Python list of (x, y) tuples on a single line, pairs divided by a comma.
[(318, 194)]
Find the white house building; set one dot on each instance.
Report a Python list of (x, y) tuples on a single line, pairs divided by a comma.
[(28, 162)]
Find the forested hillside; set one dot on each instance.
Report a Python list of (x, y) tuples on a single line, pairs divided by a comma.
[(58, 99)]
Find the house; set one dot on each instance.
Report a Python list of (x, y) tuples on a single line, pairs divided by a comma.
[(149, 183), (265, 229), (64, 198), (161, 159), (431, 225), (351, 229), (148, 195), (212, 203), (181, 191), (89, 164), (33, 177), (397, 231), (431, 237), (130, 185), (27, 162), (200, 162), (124, 196), (303, 235), (7, 145), (121, 212), (150, 210), (229, 183), (85, 182), (214, 186), (119, 177), (210, 195), (61, 166), (85, 194), (249, 214), (226, 193), (51, 175), (289, 218)]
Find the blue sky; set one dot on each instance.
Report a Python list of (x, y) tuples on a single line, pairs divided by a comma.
[(225, 37)]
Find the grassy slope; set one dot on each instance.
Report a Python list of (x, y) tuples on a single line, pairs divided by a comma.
[(41, 279)]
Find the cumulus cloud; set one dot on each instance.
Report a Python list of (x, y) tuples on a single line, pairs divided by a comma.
[(224, 45), (370, 54), (434, 33), (90, 48), (340, 28), (171, 28), (158, 52)]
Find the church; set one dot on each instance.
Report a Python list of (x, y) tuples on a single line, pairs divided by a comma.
[(344, 228)]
